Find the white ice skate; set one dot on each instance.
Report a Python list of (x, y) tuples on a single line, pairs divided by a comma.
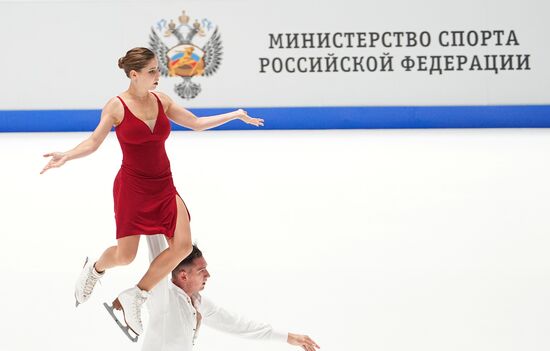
[(129, 301), (86, 282)]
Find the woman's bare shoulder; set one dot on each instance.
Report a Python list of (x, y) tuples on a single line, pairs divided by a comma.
[(164, 99), (114, 109)]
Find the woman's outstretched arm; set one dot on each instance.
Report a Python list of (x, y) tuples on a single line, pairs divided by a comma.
[(112, 112), (186, 118)]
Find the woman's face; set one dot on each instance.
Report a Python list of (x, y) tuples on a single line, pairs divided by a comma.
[(148, 76)]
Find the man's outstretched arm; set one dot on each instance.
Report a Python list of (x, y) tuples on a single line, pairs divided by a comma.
[(223, 320), (158, 300), (157, 244)]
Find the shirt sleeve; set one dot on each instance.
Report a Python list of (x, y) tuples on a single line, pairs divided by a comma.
[(223, 320), (158, 300), (157, 244)]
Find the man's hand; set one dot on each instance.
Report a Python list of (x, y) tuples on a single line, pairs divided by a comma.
[(302, 340)]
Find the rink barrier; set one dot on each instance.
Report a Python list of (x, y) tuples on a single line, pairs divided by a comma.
[(360, 117)]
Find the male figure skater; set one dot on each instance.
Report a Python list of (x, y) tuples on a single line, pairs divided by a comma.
[(177, 310)]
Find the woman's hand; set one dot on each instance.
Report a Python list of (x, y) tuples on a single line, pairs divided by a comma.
[(58, 159), (243, 116)]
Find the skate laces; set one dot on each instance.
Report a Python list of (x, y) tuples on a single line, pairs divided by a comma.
[(139, 300), (90, 282)]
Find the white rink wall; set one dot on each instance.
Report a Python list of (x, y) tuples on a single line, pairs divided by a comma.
[(365, 240), (64, 54)]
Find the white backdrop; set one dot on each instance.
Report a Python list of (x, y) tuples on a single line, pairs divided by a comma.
[(365, 240), (63, 54)]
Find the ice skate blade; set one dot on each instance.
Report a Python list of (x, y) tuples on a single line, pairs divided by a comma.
[(125, 329)]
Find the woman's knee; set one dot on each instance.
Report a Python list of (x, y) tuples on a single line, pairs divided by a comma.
[(183, 249)]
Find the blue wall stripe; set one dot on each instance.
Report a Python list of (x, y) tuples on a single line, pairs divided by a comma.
[(383, 117)]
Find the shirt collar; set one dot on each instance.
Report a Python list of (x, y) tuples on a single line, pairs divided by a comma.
[(183, 294)]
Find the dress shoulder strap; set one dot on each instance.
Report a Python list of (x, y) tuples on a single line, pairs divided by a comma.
[(156, 96), (159, 102), (123, 103)]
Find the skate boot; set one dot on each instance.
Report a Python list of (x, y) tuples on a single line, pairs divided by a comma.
[(86, 282), (129, 301)]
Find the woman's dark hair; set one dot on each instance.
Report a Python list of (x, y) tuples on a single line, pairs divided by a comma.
[(135, 59)]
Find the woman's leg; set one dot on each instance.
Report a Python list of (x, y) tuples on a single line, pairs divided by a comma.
[(130, 300), (179, 247), (122, 254)]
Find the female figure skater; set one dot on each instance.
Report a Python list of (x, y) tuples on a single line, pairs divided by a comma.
[(145, 199)]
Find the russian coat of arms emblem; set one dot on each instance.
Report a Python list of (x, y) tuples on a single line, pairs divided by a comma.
[(186, 50)]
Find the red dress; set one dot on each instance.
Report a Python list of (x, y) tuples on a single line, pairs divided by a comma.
[(144, 193)]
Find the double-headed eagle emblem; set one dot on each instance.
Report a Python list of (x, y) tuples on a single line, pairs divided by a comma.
[(183, 57)]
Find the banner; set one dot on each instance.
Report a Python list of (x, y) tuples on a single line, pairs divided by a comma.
[(299, 65)]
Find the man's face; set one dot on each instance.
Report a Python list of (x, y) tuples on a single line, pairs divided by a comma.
[(193, 278)]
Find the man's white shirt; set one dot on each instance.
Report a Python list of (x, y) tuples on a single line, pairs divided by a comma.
[(175, 318)]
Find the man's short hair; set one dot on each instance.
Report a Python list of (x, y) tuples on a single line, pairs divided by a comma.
[(195, 253)]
